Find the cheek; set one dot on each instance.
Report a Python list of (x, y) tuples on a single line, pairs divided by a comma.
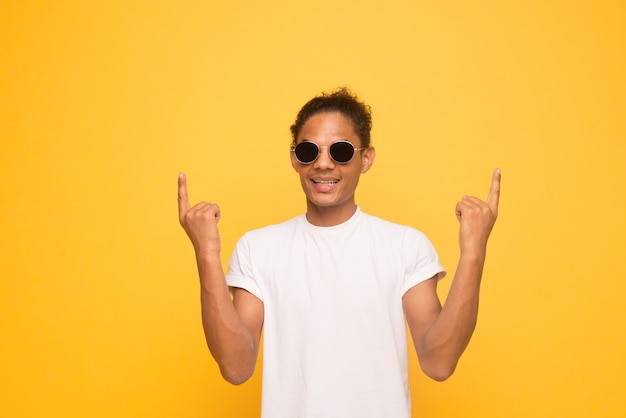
[(354, 174), (302, 175)]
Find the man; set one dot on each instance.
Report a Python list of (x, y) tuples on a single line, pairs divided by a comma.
[(332, 288)]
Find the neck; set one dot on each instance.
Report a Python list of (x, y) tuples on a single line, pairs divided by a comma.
[(329, 216)]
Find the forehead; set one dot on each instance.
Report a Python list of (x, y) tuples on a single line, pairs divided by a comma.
[(324, 127)]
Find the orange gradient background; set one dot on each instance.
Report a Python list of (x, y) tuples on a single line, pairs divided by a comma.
[(103, 103)]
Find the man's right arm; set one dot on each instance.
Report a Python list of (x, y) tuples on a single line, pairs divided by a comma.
[(232, 326)]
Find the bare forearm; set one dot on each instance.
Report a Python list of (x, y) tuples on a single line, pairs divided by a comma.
[(231, 343), (228, 339), (451, 332), (441, 334)]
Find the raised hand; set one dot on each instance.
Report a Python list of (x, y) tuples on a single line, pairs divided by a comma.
[(477, 218), (199, 221)]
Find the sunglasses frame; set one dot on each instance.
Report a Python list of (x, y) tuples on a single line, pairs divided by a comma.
[(319, 151)]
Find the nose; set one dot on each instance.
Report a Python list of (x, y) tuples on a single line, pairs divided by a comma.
[(324, 161)]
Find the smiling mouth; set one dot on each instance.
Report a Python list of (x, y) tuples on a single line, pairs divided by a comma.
[(325, 182)]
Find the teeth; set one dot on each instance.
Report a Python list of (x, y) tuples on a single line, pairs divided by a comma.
[(331, 182)]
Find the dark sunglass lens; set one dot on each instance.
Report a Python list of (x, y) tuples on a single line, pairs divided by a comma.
[(342, 152), (306, 152)]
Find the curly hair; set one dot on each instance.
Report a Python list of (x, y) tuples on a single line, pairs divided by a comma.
[(341, 100)]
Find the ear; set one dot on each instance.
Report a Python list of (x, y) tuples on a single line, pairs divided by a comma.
[(367, 159), (294, 161)]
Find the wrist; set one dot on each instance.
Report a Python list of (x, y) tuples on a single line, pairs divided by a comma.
[(208, 255), (474, 254)]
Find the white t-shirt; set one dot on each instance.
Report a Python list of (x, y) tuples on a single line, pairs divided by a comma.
[(335, 341)]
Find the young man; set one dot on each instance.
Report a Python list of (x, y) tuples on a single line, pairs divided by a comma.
[(331, 289)]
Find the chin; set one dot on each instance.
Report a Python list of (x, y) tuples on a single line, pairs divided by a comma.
[(327, 201), (323, 203)]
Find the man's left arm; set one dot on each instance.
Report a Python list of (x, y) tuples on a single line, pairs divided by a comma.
[(441, 334)]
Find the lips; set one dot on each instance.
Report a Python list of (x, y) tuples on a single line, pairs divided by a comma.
[(325, 182)]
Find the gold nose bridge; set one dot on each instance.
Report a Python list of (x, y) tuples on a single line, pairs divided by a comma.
[(326, 154), (326, 147)]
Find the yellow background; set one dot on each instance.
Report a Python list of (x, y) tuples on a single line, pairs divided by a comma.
[(103, 103)]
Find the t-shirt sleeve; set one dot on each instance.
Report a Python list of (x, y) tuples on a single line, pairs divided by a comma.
[(422, 260), (240, 271)]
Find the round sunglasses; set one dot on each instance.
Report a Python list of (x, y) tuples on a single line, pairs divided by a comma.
[(340, 152)]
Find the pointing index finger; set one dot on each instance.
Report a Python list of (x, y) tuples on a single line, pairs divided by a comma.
[(494, 192), (183, 198)]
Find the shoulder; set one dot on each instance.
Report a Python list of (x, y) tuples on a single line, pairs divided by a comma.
[(274, 231), (405, 239), (388, 227)]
